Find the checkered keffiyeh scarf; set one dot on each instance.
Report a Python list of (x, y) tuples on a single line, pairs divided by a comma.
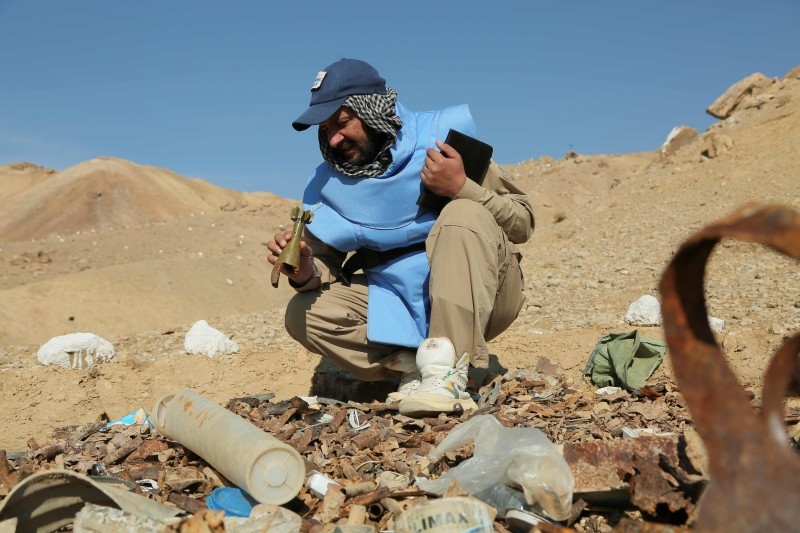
[(378, 112)]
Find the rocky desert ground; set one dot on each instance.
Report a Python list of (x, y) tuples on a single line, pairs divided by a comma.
[(137, 254)]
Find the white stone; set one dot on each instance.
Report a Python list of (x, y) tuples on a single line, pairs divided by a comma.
[(607, 390), (672, 134), (646, 311), (203, 339), (717, 325), (75, 350)]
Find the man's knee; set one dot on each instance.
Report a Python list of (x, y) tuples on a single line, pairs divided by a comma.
[(465, 213), (469, 220), (296, 318), (468, 215)]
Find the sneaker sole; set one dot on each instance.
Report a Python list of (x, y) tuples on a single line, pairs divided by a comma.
[(395, 397), (398, 396), (421, 403)]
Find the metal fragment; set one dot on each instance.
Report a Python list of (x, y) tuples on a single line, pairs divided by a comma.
[(755, 474)]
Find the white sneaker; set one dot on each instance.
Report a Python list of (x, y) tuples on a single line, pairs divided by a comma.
[(443, 381), (408, 384), (404, 361)]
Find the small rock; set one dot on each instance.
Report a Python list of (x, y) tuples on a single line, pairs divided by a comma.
[(75, 350), (717, 325), (737, 93), (718, 144), (731, 343), (646, 311), (203, 339), (679, 137), (793, 74)]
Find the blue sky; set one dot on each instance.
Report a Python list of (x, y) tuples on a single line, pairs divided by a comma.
[(209, 89)]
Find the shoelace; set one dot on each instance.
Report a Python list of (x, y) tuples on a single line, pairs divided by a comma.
[(431, 383)]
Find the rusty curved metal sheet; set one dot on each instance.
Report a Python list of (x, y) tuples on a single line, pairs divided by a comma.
[(754, 473)]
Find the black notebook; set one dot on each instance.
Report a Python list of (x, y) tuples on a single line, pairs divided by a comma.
[(476, 156)]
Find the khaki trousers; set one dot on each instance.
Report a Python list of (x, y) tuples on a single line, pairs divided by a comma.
[(476, 290)]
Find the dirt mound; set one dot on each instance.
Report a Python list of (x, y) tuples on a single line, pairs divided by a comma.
[(99, 194)]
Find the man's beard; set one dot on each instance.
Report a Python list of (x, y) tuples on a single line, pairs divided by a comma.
[(367, 149)]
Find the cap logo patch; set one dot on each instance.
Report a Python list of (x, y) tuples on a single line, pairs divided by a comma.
[(318, 80)]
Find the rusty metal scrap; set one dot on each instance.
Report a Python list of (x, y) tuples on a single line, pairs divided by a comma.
[(755, 474), (644, 471)]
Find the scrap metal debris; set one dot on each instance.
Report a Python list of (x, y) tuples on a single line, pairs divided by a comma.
[(637, 457), (373, 454), (755, 472)]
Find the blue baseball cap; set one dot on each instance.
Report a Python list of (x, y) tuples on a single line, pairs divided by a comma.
[(334, 84)]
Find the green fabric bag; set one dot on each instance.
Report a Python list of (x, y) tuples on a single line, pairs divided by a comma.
[(624, 360)]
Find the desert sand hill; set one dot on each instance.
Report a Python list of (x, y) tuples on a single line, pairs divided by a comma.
[(172, 251), (101, 194), (122, 234)]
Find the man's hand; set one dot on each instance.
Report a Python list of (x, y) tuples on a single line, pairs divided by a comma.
[(305, 269), (443, 171)]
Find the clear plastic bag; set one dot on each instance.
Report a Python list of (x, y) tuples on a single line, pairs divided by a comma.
[(515, 457)]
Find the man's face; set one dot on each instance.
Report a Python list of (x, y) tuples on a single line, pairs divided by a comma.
[(351, 140)]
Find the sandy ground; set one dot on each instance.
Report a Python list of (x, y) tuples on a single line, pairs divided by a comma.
[(606, 227)]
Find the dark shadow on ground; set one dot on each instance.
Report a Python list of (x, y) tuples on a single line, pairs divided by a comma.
[(483, 376), (330, 381)]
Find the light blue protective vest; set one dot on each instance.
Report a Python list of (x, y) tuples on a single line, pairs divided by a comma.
[(381, 213)]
